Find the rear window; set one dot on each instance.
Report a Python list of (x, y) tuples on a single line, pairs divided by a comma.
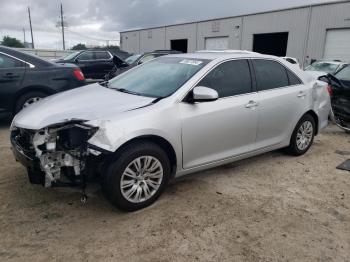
[(270, 74)]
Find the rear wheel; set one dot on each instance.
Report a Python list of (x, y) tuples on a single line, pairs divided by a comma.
[(303, 136), (28, 99), (136, 176)]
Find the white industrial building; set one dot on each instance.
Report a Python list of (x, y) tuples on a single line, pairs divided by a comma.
[(320, 31)]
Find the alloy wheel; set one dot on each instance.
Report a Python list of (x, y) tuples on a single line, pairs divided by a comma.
[(141, 179), (304, 135)]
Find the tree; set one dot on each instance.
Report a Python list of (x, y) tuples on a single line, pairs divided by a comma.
[(79, 47), (11, 42)]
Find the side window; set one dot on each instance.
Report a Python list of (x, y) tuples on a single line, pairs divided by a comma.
[(293, 79), (146, 58), (86, 56), (102, 55), (9, 62), (269, 74), (229, 79)]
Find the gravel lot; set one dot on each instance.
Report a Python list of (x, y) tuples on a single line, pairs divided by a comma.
[(268, 208)]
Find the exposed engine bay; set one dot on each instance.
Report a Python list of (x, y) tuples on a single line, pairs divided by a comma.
[(61, 152)]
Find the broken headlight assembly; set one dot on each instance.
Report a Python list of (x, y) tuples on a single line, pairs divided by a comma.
[(63, 151)]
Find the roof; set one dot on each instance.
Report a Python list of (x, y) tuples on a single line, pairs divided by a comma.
[(241, 15), (35, 60), (212, 55)]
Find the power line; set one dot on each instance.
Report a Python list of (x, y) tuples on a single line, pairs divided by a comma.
[(92, 38)]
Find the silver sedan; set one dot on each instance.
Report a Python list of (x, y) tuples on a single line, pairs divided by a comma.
[(171, 116)]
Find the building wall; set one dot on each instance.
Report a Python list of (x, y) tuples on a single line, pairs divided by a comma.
[(230, 28), (293, 21), (187, 31), (130, 41), (152, 39), (307, 28), (324, 18)]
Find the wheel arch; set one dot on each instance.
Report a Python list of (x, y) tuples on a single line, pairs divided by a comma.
[(315, 117), (160, 141), (29, 89)]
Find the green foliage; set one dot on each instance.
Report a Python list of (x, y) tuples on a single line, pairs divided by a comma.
[(11, 42), (79, 47)]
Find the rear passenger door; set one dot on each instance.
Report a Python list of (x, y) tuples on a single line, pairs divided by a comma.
[(103, 63), (12, 72), (214, 131), (282, 100), (86, 63)]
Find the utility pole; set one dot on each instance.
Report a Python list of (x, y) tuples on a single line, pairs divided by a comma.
[(62, 25), (30, 24), (24, 36)]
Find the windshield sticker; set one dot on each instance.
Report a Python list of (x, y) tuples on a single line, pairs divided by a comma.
[(191, 62)]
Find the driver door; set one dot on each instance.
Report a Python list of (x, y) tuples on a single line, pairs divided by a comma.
[(227, 127)]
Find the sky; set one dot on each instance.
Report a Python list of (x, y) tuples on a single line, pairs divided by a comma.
[(93, 22)]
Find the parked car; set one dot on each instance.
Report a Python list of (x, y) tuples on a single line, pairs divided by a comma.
[(95, 64), (321, 68), (339, 85), (137, 59), (169, 117), (25, 79), (292, 60)]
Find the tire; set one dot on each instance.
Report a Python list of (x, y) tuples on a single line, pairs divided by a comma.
[(126, 159), (22, 100), (299, 149)]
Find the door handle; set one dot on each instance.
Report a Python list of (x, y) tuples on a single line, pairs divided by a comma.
[(10, 76), (252, 104), (301, 94)]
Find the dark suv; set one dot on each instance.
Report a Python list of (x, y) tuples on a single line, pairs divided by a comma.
[(25, 79), (138, 59), (95, 64)]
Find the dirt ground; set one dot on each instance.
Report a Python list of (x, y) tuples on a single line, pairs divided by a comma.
[(268, 208)]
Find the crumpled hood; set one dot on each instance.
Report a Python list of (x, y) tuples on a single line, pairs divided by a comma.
[(85, 103)]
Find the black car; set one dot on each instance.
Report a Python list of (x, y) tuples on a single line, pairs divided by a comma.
[(95, 64), (25, 79), (339, 89), (137, 59)]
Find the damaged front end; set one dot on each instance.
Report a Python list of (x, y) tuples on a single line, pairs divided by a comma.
[(56, 155)]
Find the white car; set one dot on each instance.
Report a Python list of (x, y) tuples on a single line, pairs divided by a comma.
[(169, 117)]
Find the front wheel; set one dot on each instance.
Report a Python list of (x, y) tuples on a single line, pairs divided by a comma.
[(136, 176), (28, 99), (303, 136)]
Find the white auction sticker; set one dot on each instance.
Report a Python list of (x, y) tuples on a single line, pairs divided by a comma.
[(191, 62)]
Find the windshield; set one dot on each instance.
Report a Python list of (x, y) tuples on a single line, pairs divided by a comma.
[(70, 56), (158, 78), (132, 59), (344, 74), (323, 67)]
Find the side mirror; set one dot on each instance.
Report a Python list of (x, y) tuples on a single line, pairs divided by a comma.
[(204, 94)]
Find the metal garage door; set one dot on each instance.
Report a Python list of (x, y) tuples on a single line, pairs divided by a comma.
[(337, 44), (216, 43)]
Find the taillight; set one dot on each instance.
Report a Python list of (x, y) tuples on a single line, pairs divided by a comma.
[(78, 74), (330, 90)]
